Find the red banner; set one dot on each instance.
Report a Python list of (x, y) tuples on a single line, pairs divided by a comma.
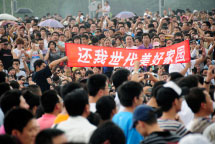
[(96, 56)]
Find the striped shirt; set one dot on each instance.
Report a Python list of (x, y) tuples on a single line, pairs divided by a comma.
[(164, 137), (173, 126)]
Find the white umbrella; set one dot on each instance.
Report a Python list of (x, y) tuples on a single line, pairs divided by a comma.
[(7, 17), (125, 14), (51, 23)]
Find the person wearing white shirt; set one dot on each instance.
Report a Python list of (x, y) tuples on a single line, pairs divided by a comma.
[(106, 9), (97, 86), (77, 128)]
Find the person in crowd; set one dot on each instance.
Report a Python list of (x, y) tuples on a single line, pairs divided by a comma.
[(108, 132), (52, 105), (97, 86), (106, 108), (130, 96), (145, 121), (25, 129), (51, 136), (169, 99), (77, 128)]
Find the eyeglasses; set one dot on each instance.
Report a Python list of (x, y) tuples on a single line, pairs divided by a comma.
[(78, 73)]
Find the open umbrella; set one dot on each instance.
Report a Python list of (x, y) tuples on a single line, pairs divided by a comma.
[(125, 14), (51, 23), (24, 10), (7, 17), (3, 23)]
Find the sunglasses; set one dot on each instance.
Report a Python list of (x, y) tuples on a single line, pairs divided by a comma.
[(78, 73)]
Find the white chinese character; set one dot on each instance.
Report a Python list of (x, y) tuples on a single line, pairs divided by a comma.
[(115, 58), (131, 57), (145, 59), (101, 56), (180, 54), (157, 58), (169, 57), (84, 56)]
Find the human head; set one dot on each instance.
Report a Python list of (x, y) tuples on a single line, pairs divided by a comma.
[(32, 100), (11, 99), (16, 64), (51, 102), (120, 76), (55, 36), (52, 45), (7, 139), (97, 85), (39, 65), (35, 89), (76, 103), (106, 107), (169, 97), (199, 101), (146, 115), (129, 41), (108, 132), (51, 136), (146, 39), (69, 87), (130, 94), (25, 128)]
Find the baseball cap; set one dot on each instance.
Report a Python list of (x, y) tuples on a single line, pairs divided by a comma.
[(142, 113)]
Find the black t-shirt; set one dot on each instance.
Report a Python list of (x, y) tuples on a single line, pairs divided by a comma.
[(163, 137), (6, 58), (40, 78)]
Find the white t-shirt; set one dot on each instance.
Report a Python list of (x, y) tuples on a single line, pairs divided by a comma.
[(133, 47), (35, 56), (18, 52), (93, 107), (107, 9), (180, 66), (20, 73)]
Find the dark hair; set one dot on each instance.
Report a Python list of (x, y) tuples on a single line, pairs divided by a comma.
[(194, 99), (16, 60), (17, 119), (14, 84), (69, 87), (94, 118), (7, 139), (95, 83), (75, 102), (108, 131), (88, 72), (128, 91), (188, 81), (146, 34), (175, 75), (165, 98), (19, 41), (156, 87), (10, 99), (46, 136), (32, 99), (52, 42), (38, 63), (85, 36), (56, 33), (104, 107), (2, 77), (119, 77), (35, 89), (3, 88), (48, 100)]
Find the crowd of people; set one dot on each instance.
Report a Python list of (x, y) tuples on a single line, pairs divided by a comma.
[(43, 101)]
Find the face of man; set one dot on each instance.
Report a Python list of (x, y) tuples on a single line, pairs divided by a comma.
[(129, 41), (209, 103), (84, 41), (43, 65), (29, 132), (77, 41), (23, 103), (55, 37), (16, 65), (146, 40)]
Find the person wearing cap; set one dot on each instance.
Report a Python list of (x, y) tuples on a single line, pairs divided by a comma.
[(145, 122), (130, 95), (169, 99)]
